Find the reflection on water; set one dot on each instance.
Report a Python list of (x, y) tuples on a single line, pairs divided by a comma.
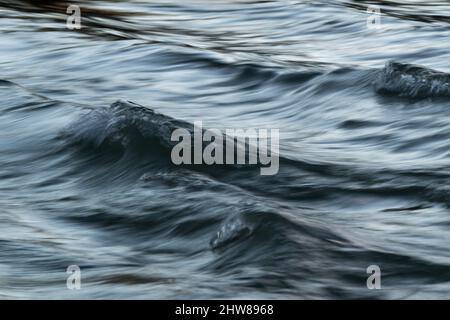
[(364, 168)]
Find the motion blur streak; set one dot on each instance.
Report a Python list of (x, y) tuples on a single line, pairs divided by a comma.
[(85, 171)]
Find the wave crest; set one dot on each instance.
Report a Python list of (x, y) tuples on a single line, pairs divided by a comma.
[(412, 81)]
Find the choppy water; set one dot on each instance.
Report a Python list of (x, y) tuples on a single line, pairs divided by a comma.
[(365, 155)]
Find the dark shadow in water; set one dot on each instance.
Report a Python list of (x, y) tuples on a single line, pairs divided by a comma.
[(51, 6)]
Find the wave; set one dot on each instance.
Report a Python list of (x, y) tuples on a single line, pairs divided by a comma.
[(132, 127), (412, 81)]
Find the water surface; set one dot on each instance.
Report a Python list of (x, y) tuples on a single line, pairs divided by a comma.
[(364, 168)]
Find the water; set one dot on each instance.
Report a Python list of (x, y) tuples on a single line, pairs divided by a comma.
[(364, 168)]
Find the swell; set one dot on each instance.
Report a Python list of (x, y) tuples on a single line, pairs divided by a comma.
[(395, 78), (128, 126), (145, 136), (139, 130)]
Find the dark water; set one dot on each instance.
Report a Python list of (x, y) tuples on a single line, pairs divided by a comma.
[(365, 155)]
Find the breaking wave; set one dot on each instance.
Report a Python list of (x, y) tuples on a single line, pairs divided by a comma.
[(412, 81)]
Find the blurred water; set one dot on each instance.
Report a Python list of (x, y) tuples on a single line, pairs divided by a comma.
[(365, 162)]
